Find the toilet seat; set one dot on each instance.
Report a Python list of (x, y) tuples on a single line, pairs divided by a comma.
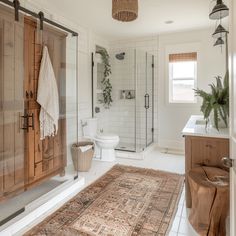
[(107, 137)]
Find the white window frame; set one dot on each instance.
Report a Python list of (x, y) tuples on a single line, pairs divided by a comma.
[(171, 79)]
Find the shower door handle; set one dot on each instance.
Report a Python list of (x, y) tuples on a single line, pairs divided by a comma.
[(145, 100), (146, 97), (148, 101)]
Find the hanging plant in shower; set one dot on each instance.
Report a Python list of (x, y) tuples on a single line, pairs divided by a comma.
[(106, 84)]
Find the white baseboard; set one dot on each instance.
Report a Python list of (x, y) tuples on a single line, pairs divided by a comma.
[(173, 145), (171, 151)]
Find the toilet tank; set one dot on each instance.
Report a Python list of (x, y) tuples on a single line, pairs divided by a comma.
[(90, 127)]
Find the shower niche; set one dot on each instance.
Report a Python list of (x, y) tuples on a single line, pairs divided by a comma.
[(131, 113), (127, 94)]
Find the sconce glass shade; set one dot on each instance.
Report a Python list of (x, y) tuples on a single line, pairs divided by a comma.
[(219, 11), (219, 42), (220, 32)]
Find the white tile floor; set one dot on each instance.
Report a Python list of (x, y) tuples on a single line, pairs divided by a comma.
[(155, 160), (159, 161)]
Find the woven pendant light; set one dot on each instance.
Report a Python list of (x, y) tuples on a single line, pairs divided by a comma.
[(125, 10)]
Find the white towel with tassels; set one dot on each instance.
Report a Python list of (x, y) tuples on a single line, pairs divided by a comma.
[(48, 98)]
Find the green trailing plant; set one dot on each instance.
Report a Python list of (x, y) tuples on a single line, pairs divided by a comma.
[(106, 85), (217, 101)]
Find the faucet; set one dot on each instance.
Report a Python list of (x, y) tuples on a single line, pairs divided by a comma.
[(84, 124)]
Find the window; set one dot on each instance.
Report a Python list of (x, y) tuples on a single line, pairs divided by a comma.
[(182, 77)]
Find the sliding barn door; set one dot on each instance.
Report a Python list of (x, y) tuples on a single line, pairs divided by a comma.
[(11, 104), (48, 157)]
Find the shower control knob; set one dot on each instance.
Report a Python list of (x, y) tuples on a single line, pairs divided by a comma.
[(97, 109)]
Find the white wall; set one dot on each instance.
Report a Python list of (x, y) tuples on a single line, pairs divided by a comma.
[(211, 62)]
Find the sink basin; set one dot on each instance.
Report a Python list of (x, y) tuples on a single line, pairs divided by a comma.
[(200, 122)]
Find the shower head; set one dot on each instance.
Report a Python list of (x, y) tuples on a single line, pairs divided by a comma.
[(120, 56)]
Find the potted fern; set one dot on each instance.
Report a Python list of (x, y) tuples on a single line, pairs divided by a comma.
[(215, 105)]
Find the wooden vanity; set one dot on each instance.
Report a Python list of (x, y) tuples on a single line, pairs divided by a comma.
[(203, 147)]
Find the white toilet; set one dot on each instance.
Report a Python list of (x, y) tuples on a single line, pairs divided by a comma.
[(105, 143)]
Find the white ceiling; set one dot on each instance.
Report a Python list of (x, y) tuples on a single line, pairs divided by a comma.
[(96, 14)]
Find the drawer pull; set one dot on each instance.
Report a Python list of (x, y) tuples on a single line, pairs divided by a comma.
[(227, 162), (209, 146)]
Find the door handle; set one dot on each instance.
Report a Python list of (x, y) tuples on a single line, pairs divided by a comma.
[(227, 162), (32, 121), (31, 94), (145, 101), (146, 97), (26, 124), (26, 94)]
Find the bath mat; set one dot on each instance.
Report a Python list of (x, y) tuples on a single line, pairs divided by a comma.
[(125, 201)]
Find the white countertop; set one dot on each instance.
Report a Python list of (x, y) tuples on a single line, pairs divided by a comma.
[(196, 127)]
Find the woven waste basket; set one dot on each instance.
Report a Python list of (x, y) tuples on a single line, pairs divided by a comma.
[(82, 160)]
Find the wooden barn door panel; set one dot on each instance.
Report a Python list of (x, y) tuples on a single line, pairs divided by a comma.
[(24, 159), (45, 157), (8, 98), (30, 105), (57, 51), (19, 106), (11, 106)]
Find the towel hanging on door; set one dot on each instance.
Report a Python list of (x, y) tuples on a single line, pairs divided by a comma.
[(48, 98)]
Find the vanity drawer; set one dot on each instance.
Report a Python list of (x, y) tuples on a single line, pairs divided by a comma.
[(208, 151)]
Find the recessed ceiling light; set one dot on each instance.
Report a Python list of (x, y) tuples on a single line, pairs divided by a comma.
[(168, 22)]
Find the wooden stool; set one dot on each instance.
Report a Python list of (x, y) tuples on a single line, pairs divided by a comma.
[(209, 188)]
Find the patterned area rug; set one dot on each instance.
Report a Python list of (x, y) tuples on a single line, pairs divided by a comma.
[(125, 201)]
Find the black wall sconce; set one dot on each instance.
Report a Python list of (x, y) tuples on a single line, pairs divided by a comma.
[(219, 42), (219, 11), (220, 32)]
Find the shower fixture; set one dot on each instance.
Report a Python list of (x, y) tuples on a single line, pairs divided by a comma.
[(120, 56)]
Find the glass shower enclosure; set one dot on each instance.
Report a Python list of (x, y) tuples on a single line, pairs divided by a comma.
[(131, 114)]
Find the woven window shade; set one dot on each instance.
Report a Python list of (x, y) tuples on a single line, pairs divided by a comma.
[(178, 57), (125, 10)]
